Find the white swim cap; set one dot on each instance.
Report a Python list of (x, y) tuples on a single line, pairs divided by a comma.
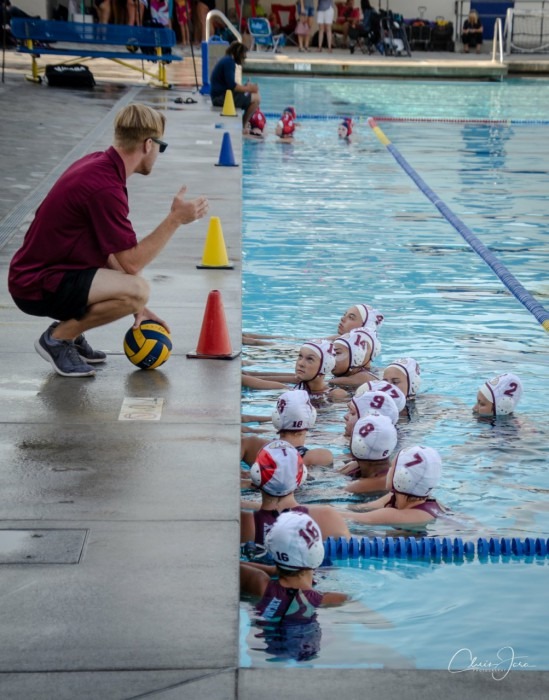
[(325, 350), (374, 437), (278, 469), (294, 411), (412, 371), (371, 318), (356, 345), (295, 541), (504, 391), (417, 471), (376, 402), (381, 385), (373, 346)]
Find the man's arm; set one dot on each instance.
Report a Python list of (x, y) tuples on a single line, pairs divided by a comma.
[(133, 260)]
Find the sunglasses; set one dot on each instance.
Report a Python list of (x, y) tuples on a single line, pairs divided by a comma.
[(162, 144)]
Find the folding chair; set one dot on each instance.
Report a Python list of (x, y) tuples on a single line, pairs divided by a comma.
[(286, 19), (262, 35)]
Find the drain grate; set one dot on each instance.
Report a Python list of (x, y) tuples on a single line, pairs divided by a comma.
[(41, 546)]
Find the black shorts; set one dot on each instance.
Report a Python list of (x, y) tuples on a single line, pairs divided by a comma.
[(69, 301), (242, 100)]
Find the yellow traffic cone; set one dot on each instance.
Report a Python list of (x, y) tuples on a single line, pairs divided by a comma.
[(215, 253), (228, 105)]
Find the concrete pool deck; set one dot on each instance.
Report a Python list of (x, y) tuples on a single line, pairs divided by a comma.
[(119, 538)]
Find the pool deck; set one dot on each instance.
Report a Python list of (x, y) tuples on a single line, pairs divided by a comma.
[(119, 534)]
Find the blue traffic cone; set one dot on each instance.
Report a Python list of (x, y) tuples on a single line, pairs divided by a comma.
[(226, 155)]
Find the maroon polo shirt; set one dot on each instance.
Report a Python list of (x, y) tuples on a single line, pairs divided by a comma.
[(82, 220)]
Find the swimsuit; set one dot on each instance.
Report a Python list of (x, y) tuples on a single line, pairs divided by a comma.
[(288, 604)]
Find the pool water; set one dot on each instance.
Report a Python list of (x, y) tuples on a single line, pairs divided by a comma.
[(328, 224)]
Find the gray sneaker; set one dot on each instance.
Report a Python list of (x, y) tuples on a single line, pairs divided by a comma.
[(63, 356), (85, 350)]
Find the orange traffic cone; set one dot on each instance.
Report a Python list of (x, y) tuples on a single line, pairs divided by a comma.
[(214, 342)]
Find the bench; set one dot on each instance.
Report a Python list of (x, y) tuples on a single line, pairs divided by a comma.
[(40, 37)]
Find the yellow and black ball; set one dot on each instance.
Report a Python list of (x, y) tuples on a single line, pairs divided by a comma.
[(148, 346)]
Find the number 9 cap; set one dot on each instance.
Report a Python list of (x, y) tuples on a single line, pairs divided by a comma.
[(294, 411), (504, 392), (278, 469), (295, 541), (417, 471), (374, 437), (376, 402)]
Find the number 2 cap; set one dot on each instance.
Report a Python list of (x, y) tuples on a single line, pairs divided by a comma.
[(295, 541), (294, 411), (374, 437), (504, 391), (417, 471), (278, 469)]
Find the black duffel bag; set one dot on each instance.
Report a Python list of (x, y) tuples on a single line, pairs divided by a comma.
[(71, 76)]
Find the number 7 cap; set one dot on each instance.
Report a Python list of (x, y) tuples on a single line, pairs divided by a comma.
[(417, 471)]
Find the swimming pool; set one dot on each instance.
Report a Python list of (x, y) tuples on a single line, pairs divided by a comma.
[(328, 224)]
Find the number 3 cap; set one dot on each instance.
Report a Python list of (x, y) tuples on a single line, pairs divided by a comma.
[(294, 411), (417, 471), (504, 391), (295, 541), (278, 469), (374, 437)]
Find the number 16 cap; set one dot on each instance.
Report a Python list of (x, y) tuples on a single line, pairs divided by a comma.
[(295, 541), (417, 471)]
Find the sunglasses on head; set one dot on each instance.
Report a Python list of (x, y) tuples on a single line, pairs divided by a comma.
[(162, 144)]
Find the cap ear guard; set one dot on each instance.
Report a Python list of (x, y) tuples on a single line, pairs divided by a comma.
[(325, 350), (504, 392)]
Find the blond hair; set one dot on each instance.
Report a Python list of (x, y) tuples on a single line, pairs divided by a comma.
[(136, 123)]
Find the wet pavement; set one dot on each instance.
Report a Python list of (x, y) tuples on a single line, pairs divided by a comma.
[(119, 537)]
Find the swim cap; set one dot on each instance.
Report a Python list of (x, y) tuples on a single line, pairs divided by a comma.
[(381, 385), (345, 128), (325, 350), (376, 402), (286, 125), (291, 111), (278, 469), (257, 123), (356, 346), (371, 318), (504, 391), (417, 471), (374, 437), (294, 411), (295, 541), (412, 371), (374, 346)]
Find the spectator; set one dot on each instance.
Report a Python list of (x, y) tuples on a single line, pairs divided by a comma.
[(347, 18), (471, 35), (325, 19)]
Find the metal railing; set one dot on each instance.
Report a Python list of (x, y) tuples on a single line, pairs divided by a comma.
[(497, 42), (230, 26)]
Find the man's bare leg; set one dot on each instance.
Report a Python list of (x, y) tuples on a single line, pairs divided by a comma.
[(113, 295)]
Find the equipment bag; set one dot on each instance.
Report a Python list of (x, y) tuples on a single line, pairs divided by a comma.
[(73, 76)]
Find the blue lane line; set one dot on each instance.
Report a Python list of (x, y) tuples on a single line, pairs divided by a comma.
[(512, 284), (441, 120)]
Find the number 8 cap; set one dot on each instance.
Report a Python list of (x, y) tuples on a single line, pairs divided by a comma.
[(376, 402), (278, 469), (504, 391), (295, 541), (417, 471), (374, 437), (294, 411)]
